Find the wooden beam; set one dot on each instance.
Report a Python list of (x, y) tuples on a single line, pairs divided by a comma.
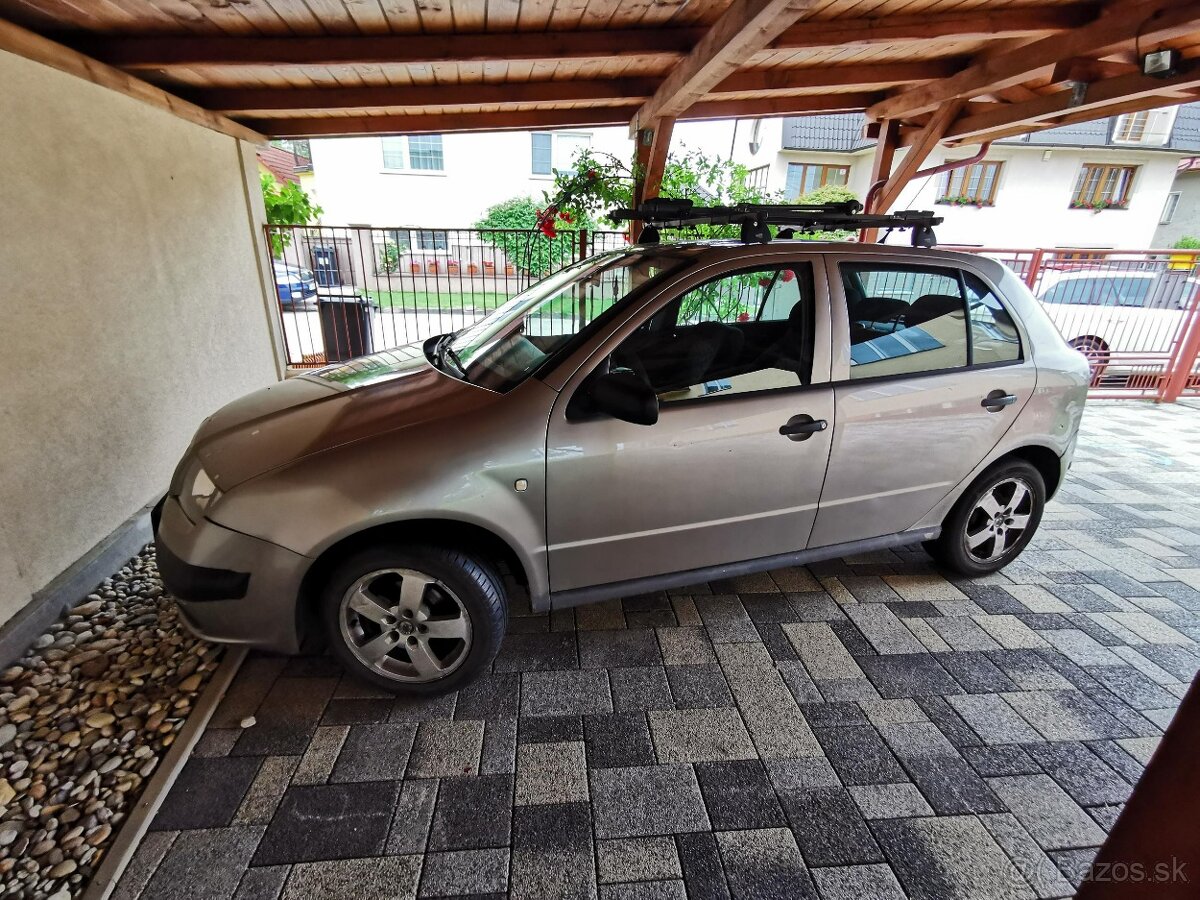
[(1150, 20), (1089, 70), (249, 101), (887, 134), (745, 27), (971, 26), (24, 43), (1049, 110), (930, 136), (163, 51), (652, 157), (520, 120)]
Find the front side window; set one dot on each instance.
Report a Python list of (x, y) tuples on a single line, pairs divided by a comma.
[(1103, 187), (743, 332), (543, 152), (909, 319), (556, 151), (971, 185), (414, 152), (804, 178)]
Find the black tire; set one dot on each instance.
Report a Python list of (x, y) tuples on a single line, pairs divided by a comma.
[(1097, 355), (966, 518), (461, 579)]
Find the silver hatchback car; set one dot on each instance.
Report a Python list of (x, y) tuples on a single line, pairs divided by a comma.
[(652, 417)]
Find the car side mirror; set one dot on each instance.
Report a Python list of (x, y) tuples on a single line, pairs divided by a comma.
[(625, 396)]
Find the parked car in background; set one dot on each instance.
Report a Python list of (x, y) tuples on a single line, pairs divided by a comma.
[(293, 285), (1102, 312), (651, 417)]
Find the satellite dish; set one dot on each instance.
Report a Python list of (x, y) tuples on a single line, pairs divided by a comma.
[(756, 137)]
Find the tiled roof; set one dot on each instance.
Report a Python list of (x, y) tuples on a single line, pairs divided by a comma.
[(280, 163), (839, 132)]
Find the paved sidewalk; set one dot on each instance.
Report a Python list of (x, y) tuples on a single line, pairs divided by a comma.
[(860, 728)]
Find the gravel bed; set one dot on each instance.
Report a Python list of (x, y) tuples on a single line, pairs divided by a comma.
[(85, 717)]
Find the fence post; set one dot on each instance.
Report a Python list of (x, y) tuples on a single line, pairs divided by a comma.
[(1035, 266), (1182, 361), (583, 245)]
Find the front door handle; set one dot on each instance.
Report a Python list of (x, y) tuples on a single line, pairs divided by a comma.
[(997, 400), (802, 427)]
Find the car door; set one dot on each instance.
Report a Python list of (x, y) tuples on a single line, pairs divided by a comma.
[(930, 371), (734, 353)]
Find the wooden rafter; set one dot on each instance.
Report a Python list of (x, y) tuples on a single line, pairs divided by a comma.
[(1149, 20), (744, 28), (517, 120), (653, 145), (159, 52), (29, 45), (927, 139), (633, 90)]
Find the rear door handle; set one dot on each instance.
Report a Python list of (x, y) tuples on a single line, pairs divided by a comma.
[(802, 427), (997, 400)]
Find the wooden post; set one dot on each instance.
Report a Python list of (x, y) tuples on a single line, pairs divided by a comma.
[(881, 168), (652, 147)]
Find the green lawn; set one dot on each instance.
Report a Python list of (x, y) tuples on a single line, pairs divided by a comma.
[(402, 300)]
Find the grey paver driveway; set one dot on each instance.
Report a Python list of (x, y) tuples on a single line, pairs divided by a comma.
[(861, 728)]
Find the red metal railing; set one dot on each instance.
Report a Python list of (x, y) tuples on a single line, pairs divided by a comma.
[(1134, 313)]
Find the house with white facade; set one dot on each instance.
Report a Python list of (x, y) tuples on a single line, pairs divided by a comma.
[(1181, 212), (1102, 184)]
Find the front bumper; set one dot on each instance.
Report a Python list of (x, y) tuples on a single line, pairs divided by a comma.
[(230, 587)]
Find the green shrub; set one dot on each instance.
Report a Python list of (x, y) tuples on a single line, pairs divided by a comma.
[(524, 245), (287, 204), (1187, 242)]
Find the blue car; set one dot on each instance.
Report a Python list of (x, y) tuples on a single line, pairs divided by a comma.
[(294, 285)]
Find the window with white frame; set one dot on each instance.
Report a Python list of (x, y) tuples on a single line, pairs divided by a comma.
[(413, 153), (1150, 127), (553, 150), (804, 178), (1169, 208)]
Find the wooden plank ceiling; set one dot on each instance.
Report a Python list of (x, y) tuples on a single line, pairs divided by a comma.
[(296, 68)]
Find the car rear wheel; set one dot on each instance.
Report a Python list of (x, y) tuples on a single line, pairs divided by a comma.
[(1096, 352), (993, 521), (415, 620)]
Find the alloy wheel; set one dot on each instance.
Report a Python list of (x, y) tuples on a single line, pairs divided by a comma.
[(999, 519), (405, 624)]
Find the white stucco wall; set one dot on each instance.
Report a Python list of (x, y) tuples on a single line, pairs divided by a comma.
[(479, 170), (1186, 220), (131, 304)]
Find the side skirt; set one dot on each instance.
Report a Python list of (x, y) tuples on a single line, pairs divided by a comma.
[(580, 596)]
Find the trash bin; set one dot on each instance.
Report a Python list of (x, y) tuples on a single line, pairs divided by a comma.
[(325, 266), (345, 325)]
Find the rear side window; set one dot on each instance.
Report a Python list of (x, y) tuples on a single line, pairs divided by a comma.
[(908, 319)]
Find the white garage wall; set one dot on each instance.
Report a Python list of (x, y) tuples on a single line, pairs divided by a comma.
[(131, 307)]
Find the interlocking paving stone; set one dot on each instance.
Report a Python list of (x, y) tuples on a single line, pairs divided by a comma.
[(618, 740), (1002, 759), (262, 883), (318, 760), (1080, 773), (455, 873), (637, 859), (204, 862), (883, 629), (1051, 817), (951, 786), (356, 710), (703, 874), (287, 717), (537, 652), (890, 801), (380, 878), (992, 719), (767, 706), (413, 816), (695, 686), (949, 858), (566, 692), (551, 773), (858, 882), (374, 753), (908, 675), (1064, 715), (911, 739), (685, 647), (266, 790), (700, 735), (493, 696), (764, 863), (739, 795), (725, 619), (443, 749), (499, 756), (618, 649), (207, 794), (549, 729), (644, 890), (472, 813), (647, 800), (832, 715), (1029, 858), (829, 827), (822, 653), (860, 755), (640, 688), (333, 821)]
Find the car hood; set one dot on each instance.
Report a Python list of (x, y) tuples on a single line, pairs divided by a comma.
[(329, 408)]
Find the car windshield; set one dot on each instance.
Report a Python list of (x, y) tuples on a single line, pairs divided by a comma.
[(504, 348)]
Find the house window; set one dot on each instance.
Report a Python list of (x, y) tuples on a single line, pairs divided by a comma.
[(1150, 127), (1103, 187), (1131, 127), (804, 178), (432, 240), (1169, 208), (416, 152), (556, 151), (973, 185)]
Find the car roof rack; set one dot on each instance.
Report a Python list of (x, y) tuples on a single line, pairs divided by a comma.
[(754, 219)]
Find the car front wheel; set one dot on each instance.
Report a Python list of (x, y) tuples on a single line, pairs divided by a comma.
[(993, 521), (416, 620)]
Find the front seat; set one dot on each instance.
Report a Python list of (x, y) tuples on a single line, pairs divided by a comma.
[(932, 306), (791, 350)]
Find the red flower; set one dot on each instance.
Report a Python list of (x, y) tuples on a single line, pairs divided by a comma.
[(788, 275), (743, 317), (545, 221), (548, 230), (591, 174), (764, 281), (566, 216)]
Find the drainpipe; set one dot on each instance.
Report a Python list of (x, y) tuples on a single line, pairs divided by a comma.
[(873, 193)]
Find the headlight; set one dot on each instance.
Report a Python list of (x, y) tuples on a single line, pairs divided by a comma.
[(201, 493)]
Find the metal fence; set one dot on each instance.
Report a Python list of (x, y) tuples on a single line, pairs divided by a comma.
[(1135, 314)]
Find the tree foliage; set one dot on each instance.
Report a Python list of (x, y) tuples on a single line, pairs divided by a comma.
[(829, 193), (533, 249), (287, 204)]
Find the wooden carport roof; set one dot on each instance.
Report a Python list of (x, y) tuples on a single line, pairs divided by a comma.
[(925, 71)]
